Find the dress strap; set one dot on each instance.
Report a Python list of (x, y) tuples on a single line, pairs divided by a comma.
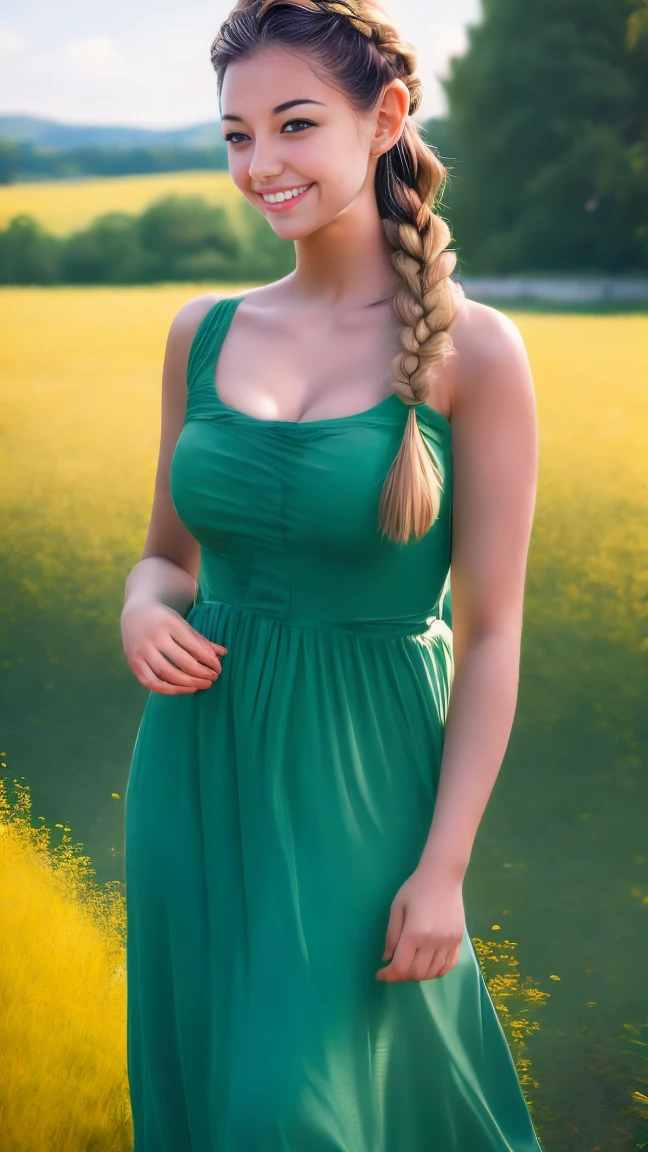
[(209, 336)]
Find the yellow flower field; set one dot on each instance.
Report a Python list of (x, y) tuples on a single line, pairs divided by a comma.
[(64, 206)]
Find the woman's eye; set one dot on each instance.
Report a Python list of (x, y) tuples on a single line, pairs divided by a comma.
[(308, 123), (230, 137)]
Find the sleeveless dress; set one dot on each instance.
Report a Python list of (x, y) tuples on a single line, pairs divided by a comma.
[(272, 817)]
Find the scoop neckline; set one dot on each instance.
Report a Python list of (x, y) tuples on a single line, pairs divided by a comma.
[(432, 413)]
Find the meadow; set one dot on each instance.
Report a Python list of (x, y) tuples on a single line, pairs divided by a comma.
[(64, 206), (560, 866)]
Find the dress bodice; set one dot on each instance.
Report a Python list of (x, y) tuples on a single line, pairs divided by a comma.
[(286, 512)]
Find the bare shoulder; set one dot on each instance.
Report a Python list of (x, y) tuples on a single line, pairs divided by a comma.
[(491, 369), (188, 318), (481, 332), (183, 329)]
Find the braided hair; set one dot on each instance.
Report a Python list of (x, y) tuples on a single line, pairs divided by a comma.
[(355, 43)]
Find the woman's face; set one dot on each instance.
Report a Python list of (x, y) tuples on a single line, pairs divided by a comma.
[(319, 145)]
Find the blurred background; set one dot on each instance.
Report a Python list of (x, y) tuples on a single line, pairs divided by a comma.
[(116, 207)]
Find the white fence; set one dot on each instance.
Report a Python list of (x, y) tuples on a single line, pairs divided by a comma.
[(560, 289)]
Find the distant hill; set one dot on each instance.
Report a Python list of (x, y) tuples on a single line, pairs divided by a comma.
[(35, 130)]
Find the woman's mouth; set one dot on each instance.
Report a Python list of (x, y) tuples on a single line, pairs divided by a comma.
[(283, 200)]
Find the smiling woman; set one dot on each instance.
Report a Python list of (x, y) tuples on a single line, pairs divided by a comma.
[(320, 741)]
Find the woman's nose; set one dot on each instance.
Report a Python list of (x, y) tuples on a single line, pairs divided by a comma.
[(265, 162)]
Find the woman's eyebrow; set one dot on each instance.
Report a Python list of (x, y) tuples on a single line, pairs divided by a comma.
[(279, 108)]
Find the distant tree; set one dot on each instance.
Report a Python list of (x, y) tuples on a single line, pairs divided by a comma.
[(265, 256), (28, 255), (9, 161), (548, 111), (185, 237), (34, 162), (108, 252)]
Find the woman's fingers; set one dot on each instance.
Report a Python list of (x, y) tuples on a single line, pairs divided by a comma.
[(438, 964), (401, 960), (425, 964), (203, 650), (148, 677), (451, 961), (166, 670), (181, 662), (166, 653), (394, 927), (425, 930), (415, 955), (197, 663), (412, 963)]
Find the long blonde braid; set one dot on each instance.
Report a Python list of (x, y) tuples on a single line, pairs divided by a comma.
[(426, 299)]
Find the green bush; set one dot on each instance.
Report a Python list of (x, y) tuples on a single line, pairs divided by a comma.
[(175, 238), (28, 255)]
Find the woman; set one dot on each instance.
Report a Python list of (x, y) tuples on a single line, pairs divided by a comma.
[(305, 792)]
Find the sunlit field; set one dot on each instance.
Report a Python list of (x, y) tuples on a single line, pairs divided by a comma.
[(64, 1081), (64, 206), (560, 865)]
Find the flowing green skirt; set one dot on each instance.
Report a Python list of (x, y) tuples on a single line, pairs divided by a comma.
[(271, 819)]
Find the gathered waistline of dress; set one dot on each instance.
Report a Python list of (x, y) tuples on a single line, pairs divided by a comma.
[(381, 626)]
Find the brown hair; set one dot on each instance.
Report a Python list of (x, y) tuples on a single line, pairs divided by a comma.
[(355, 43)]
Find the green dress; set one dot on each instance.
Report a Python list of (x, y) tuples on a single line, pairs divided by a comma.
[(272, 817)]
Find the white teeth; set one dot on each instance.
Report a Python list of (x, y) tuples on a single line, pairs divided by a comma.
[(278, 197)]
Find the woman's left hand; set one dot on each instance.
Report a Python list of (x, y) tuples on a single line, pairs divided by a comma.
[(425, 928)]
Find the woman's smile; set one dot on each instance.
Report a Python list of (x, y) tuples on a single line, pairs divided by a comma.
[(285, 197)]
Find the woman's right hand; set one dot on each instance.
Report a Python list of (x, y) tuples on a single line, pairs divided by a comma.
[(164, 652)]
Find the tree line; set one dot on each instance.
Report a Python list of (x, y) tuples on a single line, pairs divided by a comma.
[(22, 160), (174, 238)]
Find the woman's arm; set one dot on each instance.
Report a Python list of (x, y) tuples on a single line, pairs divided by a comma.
[(168, 568), (164, 652), (495, 459), (495, 455)]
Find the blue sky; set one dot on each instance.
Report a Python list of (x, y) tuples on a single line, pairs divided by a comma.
[(147, 64)]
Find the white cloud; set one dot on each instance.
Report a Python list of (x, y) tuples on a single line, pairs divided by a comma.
[(11, 43), (93, 81), (96, 58), (436, 45)]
